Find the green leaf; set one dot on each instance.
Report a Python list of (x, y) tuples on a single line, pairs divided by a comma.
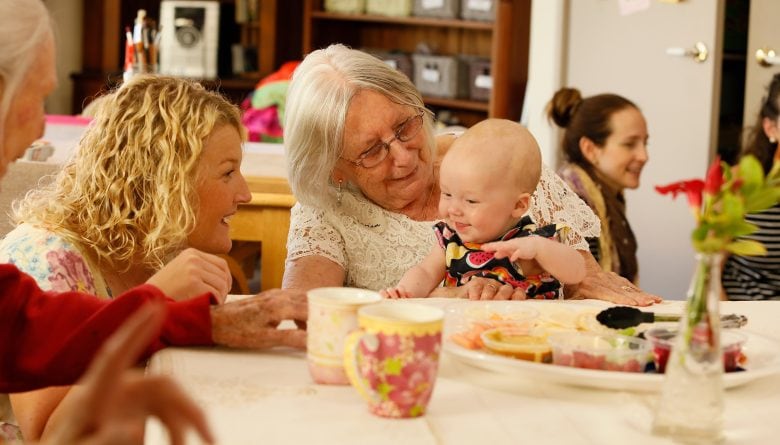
[(732, 208), (761, 199), (774, 173), (751, 172), (740, 228), (700, 232), (711, 244), (746, 248)]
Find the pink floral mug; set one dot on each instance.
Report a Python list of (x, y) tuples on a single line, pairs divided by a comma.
[(393, 357)]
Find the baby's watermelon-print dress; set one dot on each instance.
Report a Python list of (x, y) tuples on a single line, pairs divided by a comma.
[(467, 260)]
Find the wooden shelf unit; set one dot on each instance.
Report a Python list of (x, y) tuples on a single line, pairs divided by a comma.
[(505, 41), (103, 44)]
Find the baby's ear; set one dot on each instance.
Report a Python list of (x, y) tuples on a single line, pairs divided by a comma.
[(521, 205)]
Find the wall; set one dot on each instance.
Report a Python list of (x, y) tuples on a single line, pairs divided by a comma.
[(67, 27), (545, 73), (677, 96)]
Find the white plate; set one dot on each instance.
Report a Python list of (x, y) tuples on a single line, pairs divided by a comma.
[(762, 354)]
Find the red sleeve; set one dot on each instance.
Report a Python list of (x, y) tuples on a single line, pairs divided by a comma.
[(49, 339)]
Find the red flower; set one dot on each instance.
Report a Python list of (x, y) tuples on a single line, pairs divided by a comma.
[(692, 188), (720, 201), (714, 178)]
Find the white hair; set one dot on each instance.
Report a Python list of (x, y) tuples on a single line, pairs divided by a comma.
[(317, 102), (24, 24)]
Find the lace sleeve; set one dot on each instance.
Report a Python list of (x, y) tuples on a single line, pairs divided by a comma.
[(311, 234), (555, 202)]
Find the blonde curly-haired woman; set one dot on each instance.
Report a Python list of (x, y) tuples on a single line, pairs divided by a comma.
[(155, 177)]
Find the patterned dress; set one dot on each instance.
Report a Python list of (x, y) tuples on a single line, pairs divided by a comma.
[(466, 260), (54, 263)]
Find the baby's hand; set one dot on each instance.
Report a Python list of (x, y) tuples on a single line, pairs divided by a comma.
[(395, 292), (516, 249)]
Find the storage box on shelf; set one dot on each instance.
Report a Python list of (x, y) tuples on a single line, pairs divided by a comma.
[(480, 78), (398, 60), (395, 8), (445, 9), (440, 76), (478, 10), (346, 6), (503, 41)]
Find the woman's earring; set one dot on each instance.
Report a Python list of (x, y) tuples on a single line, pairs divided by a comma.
[(339, 193), (772, 140)]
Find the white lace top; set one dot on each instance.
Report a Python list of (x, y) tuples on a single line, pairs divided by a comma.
[(375, 247)]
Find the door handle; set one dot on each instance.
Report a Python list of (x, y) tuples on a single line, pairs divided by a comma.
[(767, 57), (699, 52)]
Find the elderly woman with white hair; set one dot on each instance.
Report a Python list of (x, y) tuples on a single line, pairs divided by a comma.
[(363, 164), (49, 339)]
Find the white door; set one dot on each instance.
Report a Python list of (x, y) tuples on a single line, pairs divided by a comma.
[(627, 55), (763, 35)]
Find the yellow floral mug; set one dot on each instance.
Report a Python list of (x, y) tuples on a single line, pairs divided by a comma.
[(393, 357), (332, 316)]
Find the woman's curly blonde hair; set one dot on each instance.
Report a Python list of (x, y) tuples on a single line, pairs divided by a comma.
[(128, 194)]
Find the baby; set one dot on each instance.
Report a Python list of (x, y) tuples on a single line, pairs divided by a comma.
[(486, 181)]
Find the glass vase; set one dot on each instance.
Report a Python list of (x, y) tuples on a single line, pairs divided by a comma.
[(690, 408)]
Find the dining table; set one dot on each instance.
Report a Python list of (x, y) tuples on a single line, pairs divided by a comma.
[(268, 397)]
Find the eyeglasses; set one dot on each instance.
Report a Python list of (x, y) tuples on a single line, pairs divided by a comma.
[(378, 152)]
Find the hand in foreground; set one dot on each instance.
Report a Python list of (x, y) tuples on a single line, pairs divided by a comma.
[(194, 273), (481, 289), (608, 286), (111, 403), (252, 322)]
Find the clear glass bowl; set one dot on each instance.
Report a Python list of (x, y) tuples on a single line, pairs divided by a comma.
[(609, 352), (662, 339)]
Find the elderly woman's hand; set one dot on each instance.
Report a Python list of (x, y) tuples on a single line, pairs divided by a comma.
[(252, 322), (194, 273), (608, 286), (481, 289)]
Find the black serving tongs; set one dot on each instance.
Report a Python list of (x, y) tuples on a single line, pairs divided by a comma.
[(622, 317)]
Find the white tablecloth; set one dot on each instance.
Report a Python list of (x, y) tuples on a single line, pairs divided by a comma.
[(268, 397)]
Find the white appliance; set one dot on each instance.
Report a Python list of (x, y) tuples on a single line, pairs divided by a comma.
[(189, 38)]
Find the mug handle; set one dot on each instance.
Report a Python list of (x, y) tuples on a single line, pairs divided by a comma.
[(351, 345)]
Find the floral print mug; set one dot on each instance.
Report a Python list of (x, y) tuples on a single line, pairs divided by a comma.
[(332, 316), (393, 357)]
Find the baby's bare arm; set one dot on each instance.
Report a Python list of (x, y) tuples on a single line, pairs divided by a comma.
[(559, 260), (421, 279)]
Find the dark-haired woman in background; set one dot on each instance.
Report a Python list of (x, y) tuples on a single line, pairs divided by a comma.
[(604, 148), (758, 277)]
